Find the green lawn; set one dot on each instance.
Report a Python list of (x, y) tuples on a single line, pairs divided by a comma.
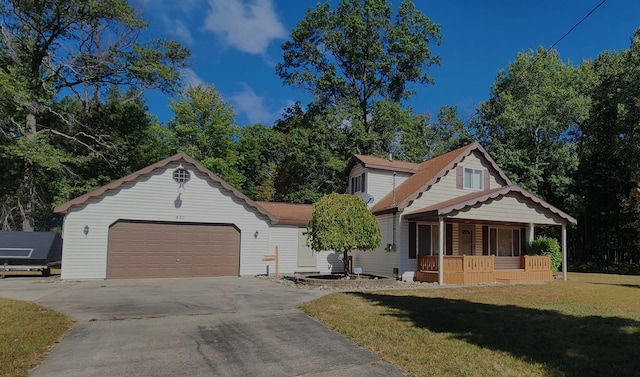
[(586, 326), (27, 331)]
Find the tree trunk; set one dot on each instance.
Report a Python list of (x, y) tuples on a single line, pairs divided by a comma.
[(345, 262), (28, 182)]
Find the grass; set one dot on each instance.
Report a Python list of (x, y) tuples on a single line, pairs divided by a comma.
[(586, 326), (27, 331)]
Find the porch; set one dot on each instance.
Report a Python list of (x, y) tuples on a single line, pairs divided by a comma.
[(475, 269)]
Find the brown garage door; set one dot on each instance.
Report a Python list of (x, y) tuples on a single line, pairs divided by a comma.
[(144, 250)]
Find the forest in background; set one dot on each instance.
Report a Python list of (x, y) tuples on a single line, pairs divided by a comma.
[(73, 117)]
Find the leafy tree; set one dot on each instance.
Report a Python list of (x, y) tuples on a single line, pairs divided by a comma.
[(203, 128), (79, 47), (359, 54), (259, 149), (421, 138), (607, 178), (531, 122), (314, 155), (342, 222)]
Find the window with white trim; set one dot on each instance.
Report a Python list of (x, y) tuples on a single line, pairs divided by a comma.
[(473, 179), (427, 241)]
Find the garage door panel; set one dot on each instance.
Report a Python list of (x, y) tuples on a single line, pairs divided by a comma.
[(138, 249)]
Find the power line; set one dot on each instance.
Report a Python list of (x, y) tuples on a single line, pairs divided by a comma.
[(577, 24)]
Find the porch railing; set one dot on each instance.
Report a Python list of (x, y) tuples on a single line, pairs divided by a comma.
[(535, 262), (462, 263)]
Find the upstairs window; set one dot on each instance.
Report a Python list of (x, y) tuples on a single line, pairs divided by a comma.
[(358, 184), (473, 179)]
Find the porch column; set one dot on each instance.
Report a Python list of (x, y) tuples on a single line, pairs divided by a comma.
[(564, 251), (531, 232), (441, 250)]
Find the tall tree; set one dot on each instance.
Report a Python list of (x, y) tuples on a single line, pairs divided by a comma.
[(314, 155), (609, 168), (203, 128), (359, 54), (531, 122), (259, 150), (70, 46)]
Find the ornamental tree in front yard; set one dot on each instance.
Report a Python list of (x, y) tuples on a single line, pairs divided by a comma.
[(342, 223)]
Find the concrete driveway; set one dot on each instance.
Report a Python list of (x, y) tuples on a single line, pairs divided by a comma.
[(191, 327)]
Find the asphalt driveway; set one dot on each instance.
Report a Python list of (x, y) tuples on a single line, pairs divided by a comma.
[(191, 327)]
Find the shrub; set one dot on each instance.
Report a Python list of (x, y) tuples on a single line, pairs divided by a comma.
[(547, 246)]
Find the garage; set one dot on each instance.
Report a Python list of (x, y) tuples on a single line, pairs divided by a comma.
[(141, 249)]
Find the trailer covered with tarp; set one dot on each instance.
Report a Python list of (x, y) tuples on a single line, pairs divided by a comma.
[(30, 251)]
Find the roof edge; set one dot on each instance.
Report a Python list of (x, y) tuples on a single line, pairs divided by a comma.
[(502, 191), (466, 152), (181, 156)]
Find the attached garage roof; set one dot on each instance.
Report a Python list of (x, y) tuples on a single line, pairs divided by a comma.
[(288, 213), (469, 200), (180, 157)]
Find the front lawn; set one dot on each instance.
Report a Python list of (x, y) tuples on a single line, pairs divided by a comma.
[(27, 331), (586, 326)]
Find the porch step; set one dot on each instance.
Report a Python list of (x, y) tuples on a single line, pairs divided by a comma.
[(510, 280)]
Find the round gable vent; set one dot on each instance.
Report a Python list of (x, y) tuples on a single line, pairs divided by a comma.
[(181, 176)]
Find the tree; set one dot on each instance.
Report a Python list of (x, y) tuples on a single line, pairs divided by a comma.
[(314, 154), (259, 150), (342, 222), (531, 123), (607, 178), (203, 128), (359, 54), (52, 47)]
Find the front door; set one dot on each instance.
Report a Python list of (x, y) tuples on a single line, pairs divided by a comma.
[(306, 256), (466, 240)]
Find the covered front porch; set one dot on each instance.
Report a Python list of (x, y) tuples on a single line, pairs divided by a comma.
[(482, 238)]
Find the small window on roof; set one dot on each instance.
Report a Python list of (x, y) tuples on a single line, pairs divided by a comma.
[(181, 176)]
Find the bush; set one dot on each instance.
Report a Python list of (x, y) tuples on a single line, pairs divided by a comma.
[(547, 246)]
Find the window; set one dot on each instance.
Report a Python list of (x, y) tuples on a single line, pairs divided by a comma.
[(358, 184), (473, 179), (428, 239), (504, 242)]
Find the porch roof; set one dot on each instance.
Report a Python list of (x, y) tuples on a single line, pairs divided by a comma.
[(455, 206)]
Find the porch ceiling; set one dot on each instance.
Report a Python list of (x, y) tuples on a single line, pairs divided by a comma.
[(507, 204)]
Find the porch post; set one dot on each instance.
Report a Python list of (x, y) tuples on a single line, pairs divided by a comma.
[(564, 251), (441, 250), (531, 231)]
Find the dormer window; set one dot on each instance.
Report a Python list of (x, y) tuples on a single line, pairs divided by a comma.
[(358, 184), (473, 179)]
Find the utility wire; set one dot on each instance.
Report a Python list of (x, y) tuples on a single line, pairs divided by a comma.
[(577, 24)]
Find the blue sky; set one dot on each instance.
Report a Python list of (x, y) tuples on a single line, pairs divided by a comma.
[(235, 45)]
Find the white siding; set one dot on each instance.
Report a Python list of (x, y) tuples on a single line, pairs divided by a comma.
[(153, 198), (287, 238), (378, 182), (445, 189), (509, 208), (407, 267), (380, 261)]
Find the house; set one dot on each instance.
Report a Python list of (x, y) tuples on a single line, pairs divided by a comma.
[(175, 218), (452, 219)]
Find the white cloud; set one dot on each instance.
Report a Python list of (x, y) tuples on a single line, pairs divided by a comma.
[(248, 25), (180, 31), (253, 106), (190, 77)]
